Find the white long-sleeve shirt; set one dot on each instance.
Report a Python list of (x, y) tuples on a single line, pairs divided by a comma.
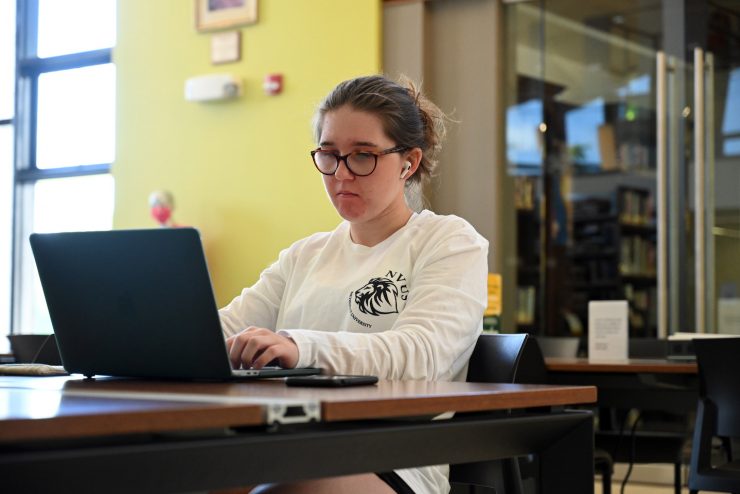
[(409, 307)]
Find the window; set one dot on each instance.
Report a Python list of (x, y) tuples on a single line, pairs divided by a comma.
[(731, 118), (7, 110), (582, 133), (63, 129), (523, 144)]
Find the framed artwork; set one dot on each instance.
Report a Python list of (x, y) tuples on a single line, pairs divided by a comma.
[(211, 15)]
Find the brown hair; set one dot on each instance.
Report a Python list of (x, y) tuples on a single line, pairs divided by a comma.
[(408, 117)]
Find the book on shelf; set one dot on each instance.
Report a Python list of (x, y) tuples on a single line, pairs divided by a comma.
[(637, 256), (642, 300), (492, 314), (635, 206), (524, 189), (633, 156), (608, 148), (526, 296)]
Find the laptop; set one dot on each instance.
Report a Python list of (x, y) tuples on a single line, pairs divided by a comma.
[(136, 303)]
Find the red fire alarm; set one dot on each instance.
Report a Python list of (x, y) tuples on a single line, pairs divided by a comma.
[(273, 84)]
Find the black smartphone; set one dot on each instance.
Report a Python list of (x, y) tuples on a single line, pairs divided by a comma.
[(330, 381)]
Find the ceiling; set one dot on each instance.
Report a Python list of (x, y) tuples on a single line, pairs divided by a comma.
[(642, 20)]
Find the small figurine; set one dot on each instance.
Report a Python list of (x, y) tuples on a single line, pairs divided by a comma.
[(161, 205)]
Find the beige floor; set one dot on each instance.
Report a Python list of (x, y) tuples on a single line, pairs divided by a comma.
[(639, 488)]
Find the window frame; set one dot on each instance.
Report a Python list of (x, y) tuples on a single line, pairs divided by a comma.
[(29, 67)]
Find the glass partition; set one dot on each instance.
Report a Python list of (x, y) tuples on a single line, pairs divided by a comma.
[(591, 151)]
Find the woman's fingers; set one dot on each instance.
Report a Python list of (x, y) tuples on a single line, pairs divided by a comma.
[(235, 346), (256, 347), (268, 355)]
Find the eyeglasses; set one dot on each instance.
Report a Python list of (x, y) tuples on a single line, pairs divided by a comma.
[(359, 163)]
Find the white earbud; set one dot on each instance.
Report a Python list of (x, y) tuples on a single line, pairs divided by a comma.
[(406, 168)]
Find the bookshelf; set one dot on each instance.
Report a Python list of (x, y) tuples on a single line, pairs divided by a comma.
[(626, 145), (613, 255), (585, 218), (528, 258)]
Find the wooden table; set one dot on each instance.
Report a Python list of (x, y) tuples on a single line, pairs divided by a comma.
[(630, 366), (666, 390), (68, 434), (654, 384)]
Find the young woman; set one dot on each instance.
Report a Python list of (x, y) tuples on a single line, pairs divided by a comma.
[(390, 291)]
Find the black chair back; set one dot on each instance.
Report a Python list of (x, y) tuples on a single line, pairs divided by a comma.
[(648, 348), (559, 346), (717, 415), (510, 358), (495, 358), (719, 381), (35, 349), (531, 368)]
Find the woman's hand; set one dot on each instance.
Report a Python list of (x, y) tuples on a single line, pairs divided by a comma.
[(256, 347)]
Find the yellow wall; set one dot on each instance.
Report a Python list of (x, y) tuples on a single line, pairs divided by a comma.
[(240, 170)]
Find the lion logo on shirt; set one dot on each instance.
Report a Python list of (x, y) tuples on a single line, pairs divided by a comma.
[(378, 296)]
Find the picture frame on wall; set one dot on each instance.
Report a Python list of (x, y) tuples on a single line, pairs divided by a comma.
[(213, 15)]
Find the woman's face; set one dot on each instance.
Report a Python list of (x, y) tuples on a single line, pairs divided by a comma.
[(362, 200)]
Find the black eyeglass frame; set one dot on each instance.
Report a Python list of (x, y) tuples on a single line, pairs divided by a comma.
[(394, 149)]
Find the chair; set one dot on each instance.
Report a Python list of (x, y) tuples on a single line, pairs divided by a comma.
[(648, 348), (35, 349), (650, 443), (509, 358), (718, 415), (495, 359), (533, 370), (559, 346)]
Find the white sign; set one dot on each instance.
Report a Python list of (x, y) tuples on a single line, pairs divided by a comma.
[(728, 315), (607, 331)]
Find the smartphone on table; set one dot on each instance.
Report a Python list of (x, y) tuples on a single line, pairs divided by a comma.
[(331, 381)]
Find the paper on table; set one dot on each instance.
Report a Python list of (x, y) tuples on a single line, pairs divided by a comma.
[(607, 330), (32, 370)]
